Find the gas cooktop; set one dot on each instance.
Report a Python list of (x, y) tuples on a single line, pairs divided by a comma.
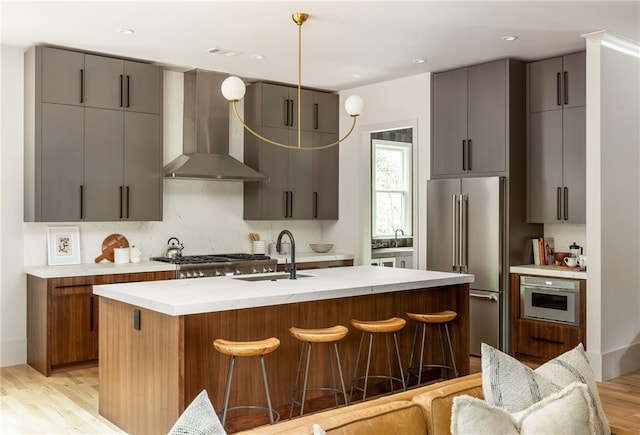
[(212, 258)]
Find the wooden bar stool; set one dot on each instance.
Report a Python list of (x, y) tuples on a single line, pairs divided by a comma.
[(247, 348), (307, 337), (386, 327), (440, 318)]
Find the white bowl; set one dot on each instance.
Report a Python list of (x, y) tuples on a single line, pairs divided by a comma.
[(320, 248)]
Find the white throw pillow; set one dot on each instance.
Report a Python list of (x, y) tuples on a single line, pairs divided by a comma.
[(470, 415), (511, 385), (198, 419)]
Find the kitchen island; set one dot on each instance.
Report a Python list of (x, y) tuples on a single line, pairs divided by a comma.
[(156, 338)]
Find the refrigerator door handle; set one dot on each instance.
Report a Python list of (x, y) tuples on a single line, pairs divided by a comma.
[(464, 234), (480, 296), (454, 232)]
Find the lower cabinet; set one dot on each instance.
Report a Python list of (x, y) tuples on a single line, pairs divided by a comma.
[(539, 340), (62, 319)]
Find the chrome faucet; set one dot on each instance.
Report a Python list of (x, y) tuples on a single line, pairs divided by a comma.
[(292, 266), (395, 237)]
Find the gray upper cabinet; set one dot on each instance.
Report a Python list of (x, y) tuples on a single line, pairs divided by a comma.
[(557, 140), (470, 120), (62, 76), (557, 83), (302, 184), (90, 157)]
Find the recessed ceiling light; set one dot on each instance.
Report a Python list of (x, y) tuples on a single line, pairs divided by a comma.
[(355, 76), (257, 56), (509, 38), (418, 61), (126, 31)]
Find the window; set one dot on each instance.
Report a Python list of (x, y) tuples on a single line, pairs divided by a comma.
[(391, 193)]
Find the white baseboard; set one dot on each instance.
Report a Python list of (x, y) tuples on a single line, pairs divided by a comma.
[(13, 352), (615, 363)]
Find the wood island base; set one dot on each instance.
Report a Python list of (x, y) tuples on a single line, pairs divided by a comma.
[(152, 364)]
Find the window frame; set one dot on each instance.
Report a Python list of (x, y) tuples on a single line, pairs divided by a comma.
[(407, 194)]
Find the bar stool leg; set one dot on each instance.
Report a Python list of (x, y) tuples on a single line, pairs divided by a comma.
[(355, 370), (306, 378), (227, 390), (266, 389), (404, 384), (424, 336), (444, 357), (344, 390), (333, 377), (366, 374), (413, 346), (296, 384), (453, 360)]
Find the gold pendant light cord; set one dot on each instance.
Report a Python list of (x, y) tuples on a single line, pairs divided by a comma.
[(299, 81)]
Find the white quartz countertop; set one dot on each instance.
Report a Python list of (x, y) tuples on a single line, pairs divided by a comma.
[(310, 257), (386, 252), (203, 295), (554, 271), (89, 269)]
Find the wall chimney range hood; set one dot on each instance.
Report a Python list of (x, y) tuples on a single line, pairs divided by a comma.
[(205, 138)]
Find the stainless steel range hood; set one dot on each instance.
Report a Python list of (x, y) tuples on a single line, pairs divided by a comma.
[(205, 138)]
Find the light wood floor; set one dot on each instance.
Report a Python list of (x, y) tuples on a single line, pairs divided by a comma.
[(68, 402)]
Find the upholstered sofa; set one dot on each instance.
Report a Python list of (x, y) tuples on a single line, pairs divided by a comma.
[(423, 410)]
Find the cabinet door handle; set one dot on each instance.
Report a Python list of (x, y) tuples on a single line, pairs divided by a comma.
[(128, 91), (315, 116), (121, 89), (120, 202), (566, 203), (91, 313), (81, 201), (469, 144), (315, 204), (82, 85), (558, 90), (285, 203), (566, 90), (290, 113), (464, 154), (286, 112), (128, 191), (290, 204), (559, 204)]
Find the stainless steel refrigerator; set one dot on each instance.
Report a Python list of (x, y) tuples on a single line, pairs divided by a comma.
[(468, 229)]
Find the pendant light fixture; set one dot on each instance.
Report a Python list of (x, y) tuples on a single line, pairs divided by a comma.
[(233, 89)]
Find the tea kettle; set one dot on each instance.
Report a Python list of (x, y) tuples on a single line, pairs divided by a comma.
[(174, 249), (575, 250)]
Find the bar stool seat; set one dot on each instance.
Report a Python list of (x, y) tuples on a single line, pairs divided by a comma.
[(308, 337), (424, 319), (236, 349), (371, 327)]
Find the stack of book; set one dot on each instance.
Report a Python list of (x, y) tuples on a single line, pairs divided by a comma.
[(543, 251)]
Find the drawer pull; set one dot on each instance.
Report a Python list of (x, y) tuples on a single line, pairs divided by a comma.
[(546, 340)]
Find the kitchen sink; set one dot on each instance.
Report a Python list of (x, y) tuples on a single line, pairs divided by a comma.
[(270, 276)]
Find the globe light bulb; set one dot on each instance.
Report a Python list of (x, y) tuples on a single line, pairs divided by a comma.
[(233, 88), (354, 105)]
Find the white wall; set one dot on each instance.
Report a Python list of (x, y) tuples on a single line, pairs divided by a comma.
[(613, 207), (13, 304), (205, 215), (388, 105)]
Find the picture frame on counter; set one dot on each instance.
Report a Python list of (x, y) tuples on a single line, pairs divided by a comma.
[(63, 246)]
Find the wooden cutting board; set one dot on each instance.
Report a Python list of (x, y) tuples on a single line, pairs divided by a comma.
[(109, 244)]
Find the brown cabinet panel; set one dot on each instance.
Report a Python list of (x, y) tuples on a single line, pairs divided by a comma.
[(74, 337), (545, 339), (62, 318)]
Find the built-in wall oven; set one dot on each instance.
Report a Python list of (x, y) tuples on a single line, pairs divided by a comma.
[(553, 300)]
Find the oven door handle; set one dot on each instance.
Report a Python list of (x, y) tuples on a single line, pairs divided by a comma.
[(481, 296)]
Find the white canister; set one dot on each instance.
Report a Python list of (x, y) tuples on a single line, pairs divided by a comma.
[(121, 255), (136, 254), (258, 246)]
